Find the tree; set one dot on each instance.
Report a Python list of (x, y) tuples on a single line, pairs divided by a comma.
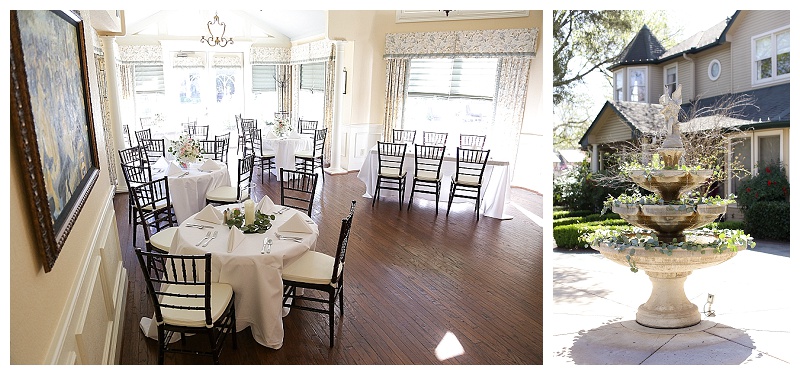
[(586, 42)]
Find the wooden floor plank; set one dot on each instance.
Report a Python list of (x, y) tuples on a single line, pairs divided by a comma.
[(412, 276)]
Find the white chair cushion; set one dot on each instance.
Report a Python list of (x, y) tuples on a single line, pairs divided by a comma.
[(467, 180), (225, 194), (163, 239), (267, 154), (304, 155), (313, 267), (391, 172), (220, 297), (159, 205), (427, 176)]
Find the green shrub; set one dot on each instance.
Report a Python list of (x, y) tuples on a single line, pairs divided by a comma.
[(577, 213), (569, 236), (584, 219), (767, 220), (770, 185), (577, 190), (733, 225)]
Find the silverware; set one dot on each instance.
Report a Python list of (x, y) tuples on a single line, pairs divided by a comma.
[(282, 210), (184, 174), (198, 226), (264, 246), (292, 238), (269, 245), (213, 236), (204, 238)]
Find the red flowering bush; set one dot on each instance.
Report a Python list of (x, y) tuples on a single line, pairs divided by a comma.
[(769, 185), (764, 200)]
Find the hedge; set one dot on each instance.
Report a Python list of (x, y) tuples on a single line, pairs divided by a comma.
[(576, 213), (767, 220), (735, 225), (583, 219), (569, 236)]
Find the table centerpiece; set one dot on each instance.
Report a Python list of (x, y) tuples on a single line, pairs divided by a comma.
[(248, 220), (186, 150)]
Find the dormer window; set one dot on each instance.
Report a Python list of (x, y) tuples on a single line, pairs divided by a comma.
[(637, 84)]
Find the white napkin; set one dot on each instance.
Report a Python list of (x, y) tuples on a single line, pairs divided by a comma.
[(294, 134), (210, 214), (270, 135), (174, 170), (209, 165), (235, 238), (265, 205), (161, 163), (295, 224)]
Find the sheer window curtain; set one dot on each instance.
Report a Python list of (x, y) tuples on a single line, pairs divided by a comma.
[(396, 83), (330, 87), (285, 99), (512, 85)]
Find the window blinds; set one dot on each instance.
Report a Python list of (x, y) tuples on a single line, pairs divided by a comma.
[(460, 77), (148, 79), (312, 77), (264, 78)]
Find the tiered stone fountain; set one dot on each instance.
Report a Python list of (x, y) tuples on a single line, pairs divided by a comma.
[(668, 306)]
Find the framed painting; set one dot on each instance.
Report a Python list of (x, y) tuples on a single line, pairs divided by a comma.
[(51, 122)]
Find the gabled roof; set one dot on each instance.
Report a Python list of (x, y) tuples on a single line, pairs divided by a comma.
[(640, 117), (644, 48), (770, 110)]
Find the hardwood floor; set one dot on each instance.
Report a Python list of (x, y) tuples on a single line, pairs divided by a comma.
[(412, 277)]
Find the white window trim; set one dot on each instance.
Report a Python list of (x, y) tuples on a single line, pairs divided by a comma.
[(646, 84), (667, 67), (753, 68), (710, 76), (767, 133), (728, 187), (622, 73)]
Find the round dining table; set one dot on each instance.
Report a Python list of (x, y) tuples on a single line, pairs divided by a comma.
[(254, 275), (285, 149), (187, 189)]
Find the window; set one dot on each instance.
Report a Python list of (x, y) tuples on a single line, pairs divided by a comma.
[(311, 104), (714, 70), (769, 149), (637, 83), (671, 78), (619, 86), (451, 95), (148, 92), (741, 153), (265, 92), (771, 57)]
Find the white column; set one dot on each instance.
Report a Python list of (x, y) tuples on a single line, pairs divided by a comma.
[(595, 159), (336, 134), (112, 85)]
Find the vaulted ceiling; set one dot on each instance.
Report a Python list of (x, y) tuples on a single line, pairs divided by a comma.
[(262, 27)]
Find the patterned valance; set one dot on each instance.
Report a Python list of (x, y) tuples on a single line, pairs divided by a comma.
[(140, 54), (227, 61), (472, 43), (270, 55), (318, 51)]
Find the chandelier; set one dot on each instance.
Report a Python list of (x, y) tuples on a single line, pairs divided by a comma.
[(216, 28)]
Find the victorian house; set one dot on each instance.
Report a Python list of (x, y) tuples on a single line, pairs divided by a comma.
[(748, 53)]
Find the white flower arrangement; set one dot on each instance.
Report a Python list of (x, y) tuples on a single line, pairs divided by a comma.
[(186, 150)]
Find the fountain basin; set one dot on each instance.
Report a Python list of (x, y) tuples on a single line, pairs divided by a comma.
[(668, 306), (669, 184), (669, 220)]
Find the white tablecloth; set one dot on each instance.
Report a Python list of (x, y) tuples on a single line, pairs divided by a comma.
[(495, 192), (188, 193), (285, 149), (255, 277)]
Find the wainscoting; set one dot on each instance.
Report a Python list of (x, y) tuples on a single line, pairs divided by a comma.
[(89, 333)]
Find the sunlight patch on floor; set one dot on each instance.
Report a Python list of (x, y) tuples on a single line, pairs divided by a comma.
[(449, 347), (536, 219)]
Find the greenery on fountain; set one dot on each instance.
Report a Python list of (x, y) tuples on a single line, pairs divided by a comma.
[(674, 209)]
